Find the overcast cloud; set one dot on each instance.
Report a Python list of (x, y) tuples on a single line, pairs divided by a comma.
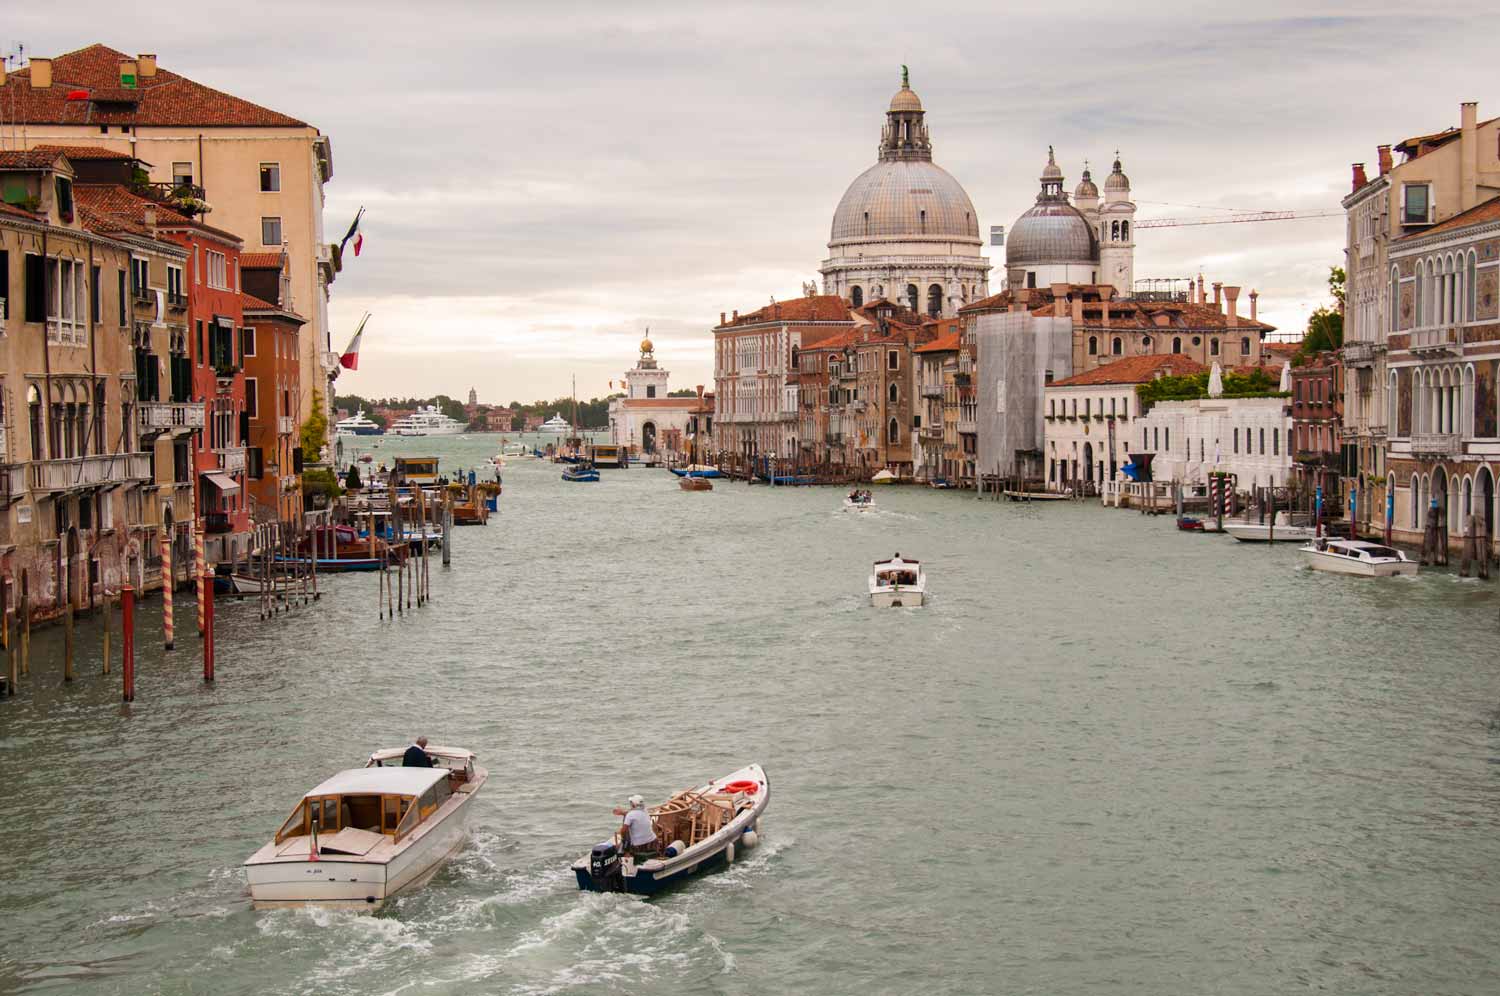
[(545, 181)]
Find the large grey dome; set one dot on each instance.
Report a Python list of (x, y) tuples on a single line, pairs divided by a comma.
[(900, 199), (1051, 232)]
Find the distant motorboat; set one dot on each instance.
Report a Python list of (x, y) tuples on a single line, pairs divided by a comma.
[(357, 425), (1357, 557), (859, 500), (580, 473), (1265, 532), (896, 582), (695, 484), (696, 470), (428, 421)]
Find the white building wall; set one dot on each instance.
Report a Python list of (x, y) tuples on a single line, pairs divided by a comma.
[(1245, 437)]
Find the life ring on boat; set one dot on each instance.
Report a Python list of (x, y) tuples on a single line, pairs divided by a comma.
[(744, 785)]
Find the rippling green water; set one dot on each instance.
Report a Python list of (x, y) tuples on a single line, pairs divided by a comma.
[(1106, 758)]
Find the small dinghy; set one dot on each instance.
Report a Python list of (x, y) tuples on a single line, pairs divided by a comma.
[(368, 833), (701, 829), (897, 582), (695, 484)]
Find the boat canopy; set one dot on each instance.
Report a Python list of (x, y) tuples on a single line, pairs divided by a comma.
[(380, 781), (394, 753)]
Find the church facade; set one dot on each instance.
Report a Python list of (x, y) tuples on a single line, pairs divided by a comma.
[(905, 230), (646, 419)]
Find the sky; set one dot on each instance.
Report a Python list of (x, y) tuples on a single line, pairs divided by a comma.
[(543, 183)]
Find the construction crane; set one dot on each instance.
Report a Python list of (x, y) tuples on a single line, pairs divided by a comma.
[(1235, 218)]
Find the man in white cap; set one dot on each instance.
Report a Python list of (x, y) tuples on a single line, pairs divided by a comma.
[(639, 834)]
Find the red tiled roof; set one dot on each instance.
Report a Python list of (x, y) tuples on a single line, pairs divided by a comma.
[(163, 99), (682, 401), (260, 260), (818, 308), (84, 153), (1134, 370), (942, 344), (1476, 215), (11, 209), (1283, 349), (26, 158), (249, 302), (106, 208)]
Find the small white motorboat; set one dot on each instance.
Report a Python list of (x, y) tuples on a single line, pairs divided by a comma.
[(859, 500), (366, 834), (1265, 532), (700, 830), (1357, 557), (897, 582)]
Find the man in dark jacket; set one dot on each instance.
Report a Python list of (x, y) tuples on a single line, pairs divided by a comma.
[(416, 755)]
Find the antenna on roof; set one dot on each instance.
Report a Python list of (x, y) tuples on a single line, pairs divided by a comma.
[(14, 59)]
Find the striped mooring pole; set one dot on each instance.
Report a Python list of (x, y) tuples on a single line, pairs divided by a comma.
[(167, 585), (199, 563)]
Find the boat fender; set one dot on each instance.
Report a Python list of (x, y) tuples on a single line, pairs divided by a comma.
[(749, 838), (745, 785), (675, 848), (729, 855)]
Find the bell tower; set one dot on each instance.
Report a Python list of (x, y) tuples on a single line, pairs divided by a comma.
[(646, 380)]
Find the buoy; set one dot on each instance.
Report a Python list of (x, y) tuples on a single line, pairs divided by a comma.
[(749, 838), (729, 855), (675, 848)]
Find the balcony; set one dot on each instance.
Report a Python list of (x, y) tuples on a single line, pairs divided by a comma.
[(932, 432), (231, 458), (1437, 443), (90, 471), (141, 293), (1360, 354), (184, 198), (288, 483), (177, 418), (285, 425), (967, 427), (12, 483), (177, 302), (932, 390), (216, 523), (1437, 342)]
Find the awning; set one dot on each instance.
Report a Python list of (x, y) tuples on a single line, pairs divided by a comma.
[(222, 481)]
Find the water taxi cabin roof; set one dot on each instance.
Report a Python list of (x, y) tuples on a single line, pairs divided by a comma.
[(896, 562), (378, 781), (457, 753)]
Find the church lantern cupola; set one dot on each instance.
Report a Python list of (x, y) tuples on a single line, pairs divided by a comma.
[(905, 134)]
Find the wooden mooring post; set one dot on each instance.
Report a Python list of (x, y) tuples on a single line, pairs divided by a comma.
[(127, 641), (68, 641), (105, 617), (208, 623)]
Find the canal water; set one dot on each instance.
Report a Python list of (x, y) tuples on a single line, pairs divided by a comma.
[(1106, 758)]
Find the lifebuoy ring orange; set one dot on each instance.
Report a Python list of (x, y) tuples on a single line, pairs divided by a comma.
[(745, 785)]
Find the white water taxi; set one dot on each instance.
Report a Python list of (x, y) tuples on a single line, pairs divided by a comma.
[(1265, 532), (897, 582), (700, 830), (368, 833), (1357, 557)]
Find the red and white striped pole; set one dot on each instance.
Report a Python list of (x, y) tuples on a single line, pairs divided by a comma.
[(199, 565), (167, 579)]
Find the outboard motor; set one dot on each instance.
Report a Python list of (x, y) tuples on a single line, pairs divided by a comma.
[(604, 868)]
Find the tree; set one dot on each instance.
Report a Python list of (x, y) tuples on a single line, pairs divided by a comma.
[(1325, 326), (351, 479), (315, 431)]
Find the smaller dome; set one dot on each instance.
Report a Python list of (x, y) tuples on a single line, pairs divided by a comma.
[(1085, 187), (906, 99), (1117, 180), (1051, 171)]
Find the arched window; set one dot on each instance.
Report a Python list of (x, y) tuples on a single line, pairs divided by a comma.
[(1124, 231), (1177, 344), (1116, 346), (1471, 296), (911, 296), (857, 296), (1114, 231), (867, 223), (893, 394), (935, 300), (34, 403), (1416, 503), (893, 431), (922, 219), (1417, 290), (1146, 343), (1395, 298), (1213, 347), (1093, 345), (1276, 442), (1245, 345)]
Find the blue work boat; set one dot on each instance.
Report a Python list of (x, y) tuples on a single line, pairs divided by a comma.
[(579, 473), (701, 829), (696, 470)]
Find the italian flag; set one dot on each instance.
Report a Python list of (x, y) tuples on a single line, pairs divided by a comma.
[(350, 359), (353, 233)]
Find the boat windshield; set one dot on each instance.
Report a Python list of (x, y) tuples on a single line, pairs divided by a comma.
[(897, 576), (375, 813), (1377, 551)]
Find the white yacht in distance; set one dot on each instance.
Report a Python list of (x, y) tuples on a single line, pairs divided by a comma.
[(358, 425), (556, 424), (368, 833), (426, 421)]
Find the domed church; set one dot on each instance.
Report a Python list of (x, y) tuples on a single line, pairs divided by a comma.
[(905, 229), (1085, 242)]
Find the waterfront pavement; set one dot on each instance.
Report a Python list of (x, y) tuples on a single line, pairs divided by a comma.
[(1106, 757)]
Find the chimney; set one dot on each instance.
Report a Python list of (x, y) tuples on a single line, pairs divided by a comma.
[(1384, 152), (41, 74), (147, 63), (1468, 151), (1253, 296), (721, 318), (1201, 298), (736, 314), (149, 216), (1218, 295), (1359, 176), (1077, 301), (1232, 298), (127, 74)]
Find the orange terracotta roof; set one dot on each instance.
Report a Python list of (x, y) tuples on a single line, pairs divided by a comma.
[(111, 208), (818, 308), (1134, 370), (251, 301), (84, 153), (260, 260), (1476, 215), (682, 401), (27, 159), (1284, 349), (163, 99), (942, 344), (17, 212)]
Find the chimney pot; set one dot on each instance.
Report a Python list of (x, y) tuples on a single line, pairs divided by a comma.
[(1201, 298), (1253, 296), (1359, 176), (2, 72), (1232, 298), (41, 74), (721, 318), (1218, 295), (147, 63), (736, 313), (1384, 154)]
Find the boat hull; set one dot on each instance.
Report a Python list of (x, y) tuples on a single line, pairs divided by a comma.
[(581, 478), (1339, 564), (897, 598), (681, 472), (1257, 532)]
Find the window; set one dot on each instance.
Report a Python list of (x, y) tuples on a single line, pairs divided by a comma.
[(1471, 297), (175, 284), (892, 360), (935, 300), (893, 431), (893, 395), (1167, 437), (270, 178), (1213, 347), (1236, 439), (1276, 442), (140, 278), (270, 232), (64, 198), (217, 266), (252, 404), (911, 296), (123, 319), (182, 174), (95, 294), (856, 297), (1263, 442), (1244, 345), (1093, 345), (650, 390), (1116, 346), (1177, 344), (1030, 278), (1146, 343), (1415, 204), (200, 342)]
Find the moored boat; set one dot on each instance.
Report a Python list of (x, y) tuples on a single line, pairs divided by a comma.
[(1270, 532), (1357, 557), (696, 470), (701, 829), (897, 582), (695, 484), (580, 473), (366, 834), (556, 425), (883, 477)]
